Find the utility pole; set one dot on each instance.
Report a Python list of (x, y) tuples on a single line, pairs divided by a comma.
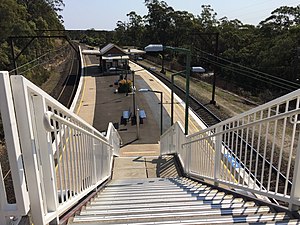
[(213, 94)]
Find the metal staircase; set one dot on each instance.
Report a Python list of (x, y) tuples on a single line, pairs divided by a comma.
[(174, 201)]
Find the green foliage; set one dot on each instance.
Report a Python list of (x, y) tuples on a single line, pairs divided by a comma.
[(125, 86), (25, 18), (269, 47)]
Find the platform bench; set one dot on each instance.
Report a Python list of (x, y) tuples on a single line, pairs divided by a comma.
[(125, 117), (142, 115)]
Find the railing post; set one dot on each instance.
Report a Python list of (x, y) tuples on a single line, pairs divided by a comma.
[(295, 192), (13, 144), (3, 201), (171, 144), (29, 148), (188, 158), (94, 161), (47, 158), (218, 152)]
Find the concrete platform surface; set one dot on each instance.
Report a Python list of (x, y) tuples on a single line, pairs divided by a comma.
[(140, 150), (145, 167)]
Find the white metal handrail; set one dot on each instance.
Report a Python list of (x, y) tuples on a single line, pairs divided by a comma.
[(64, 157), (252, 151), (50, 115), (114, 138), (270, 119), (12, 141)]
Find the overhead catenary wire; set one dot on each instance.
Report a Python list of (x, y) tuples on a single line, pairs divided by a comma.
[(250, 69), (36, 59), (255, 74), (260, 78)]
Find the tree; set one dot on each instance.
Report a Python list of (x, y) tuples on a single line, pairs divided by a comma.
[(283, 18), (158, 21), (135, 29), (207, 18)]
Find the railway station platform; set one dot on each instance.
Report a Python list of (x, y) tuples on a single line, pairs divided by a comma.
[(99, 104)]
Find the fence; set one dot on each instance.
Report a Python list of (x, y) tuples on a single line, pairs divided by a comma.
[(64, 157), (257, 151)]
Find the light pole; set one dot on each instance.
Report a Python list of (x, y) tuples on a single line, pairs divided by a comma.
[(133, 95), (160, 48), (197, 69), (161, 105)]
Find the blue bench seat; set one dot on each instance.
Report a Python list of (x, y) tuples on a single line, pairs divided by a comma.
[(142, 114), (126, 115)]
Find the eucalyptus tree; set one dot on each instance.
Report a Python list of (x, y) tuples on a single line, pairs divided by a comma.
[(158, 22), (135, 29)]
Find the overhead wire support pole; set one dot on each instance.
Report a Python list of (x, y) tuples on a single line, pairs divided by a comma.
[(216, 53), (13, 55), (160, 48), (213, 101), (187, 91)]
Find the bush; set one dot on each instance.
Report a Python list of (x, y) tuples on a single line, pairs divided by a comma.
[(125, 86)]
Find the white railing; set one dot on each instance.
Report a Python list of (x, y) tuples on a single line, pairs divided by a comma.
[(64, 157), (114, 139), (257, 151), (7, 111)]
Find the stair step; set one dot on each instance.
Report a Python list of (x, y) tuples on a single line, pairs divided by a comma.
[(174, 200), (183, 218), (155, 194), (280, 222), (165, 198), (138, 180), (178, 212), (148, 189), (141, 190), (169, 205), (134, 186), (145, 192), (204, 208), (138, 183), (134, 182)]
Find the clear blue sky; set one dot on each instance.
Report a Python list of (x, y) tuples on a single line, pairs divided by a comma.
[(104, 14)]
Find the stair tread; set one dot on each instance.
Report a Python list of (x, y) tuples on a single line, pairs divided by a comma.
[(171, 185), (185, 219), (215, 201), (179, 209), (158, 191), (152, 196), (172, 201), (134, 207), (165, 199)]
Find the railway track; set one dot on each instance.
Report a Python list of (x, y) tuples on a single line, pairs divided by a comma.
[(204, 114), (257, 159), (70, 84)]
